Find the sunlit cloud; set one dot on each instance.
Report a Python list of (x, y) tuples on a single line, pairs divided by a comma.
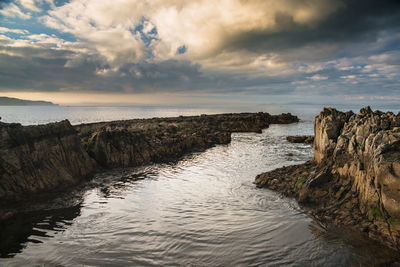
[(318, 77), (12, 10)]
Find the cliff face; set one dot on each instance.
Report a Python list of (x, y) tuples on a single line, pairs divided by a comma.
[(364, 148), (37, 158)]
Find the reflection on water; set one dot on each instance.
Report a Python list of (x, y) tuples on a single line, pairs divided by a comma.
[(32, 227), (203, 210)]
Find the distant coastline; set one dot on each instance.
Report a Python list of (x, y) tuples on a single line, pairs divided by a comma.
[(9, 101)]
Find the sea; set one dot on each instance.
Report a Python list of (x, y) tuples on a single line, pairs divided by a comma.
[(202, 210)]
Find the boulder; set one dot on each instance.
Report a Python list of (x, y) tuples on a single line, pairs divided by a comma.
[(305, 139)]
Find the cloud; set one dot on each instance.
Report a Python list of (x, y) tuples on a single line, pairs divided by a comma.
[(13, 11), (215, 35), (318, 77), (17, 31), (304, 47), (29, 4), (349, 77), (205, 29)]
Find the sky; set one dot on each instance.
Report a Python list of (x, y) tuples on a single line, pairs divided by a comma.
[(203, 52)]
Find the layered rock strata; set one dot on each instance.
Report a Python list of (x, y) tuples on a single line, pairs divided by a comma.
[(44, 157), (355, 176), (38, 158)]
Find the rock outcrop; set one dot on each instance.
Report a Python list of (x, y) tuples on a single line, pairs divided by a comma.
[(38, 158), (41, 158), (137, 142), (355, 176), (366, 149), (305, 139)]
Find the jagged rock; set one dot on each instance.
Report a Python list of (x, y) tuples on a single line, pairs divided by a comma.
[(356, 170), (367, 149), (306, 139), (38, 158), (321, 177), (327, 128), (138, 142)]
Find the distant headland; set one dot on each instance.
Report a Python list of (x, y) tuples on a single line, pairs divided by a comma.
[(9, 101)]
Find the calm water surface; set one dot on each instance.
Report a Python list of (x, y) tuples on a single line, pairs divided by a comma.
[(200, 211), (28, 115)]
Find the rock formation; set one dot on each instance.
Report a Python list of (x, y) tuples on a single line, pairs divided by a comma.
[(355, 176), (44, 157), (38, 158), (305, 139)]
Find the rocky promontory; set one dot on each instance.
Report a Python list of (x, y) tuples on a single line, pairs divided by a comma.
[(40, 158), (354, 179), (45, 157), (143, 141)]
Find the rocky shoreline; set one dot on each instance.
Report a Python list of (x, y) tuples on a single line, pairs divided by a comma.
[(354, 179), (42, 158)]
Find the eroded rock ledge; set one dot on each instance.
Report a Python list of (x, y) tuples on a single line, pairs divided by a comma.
[(354, 179), (41, 158)]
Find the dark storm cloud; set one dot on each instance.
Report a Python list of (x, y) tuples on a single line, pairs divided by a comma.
[(355, 21)]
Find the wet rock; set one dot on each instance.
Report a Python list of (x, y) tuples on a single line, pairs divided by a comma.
[(305, 139), (303, 195)]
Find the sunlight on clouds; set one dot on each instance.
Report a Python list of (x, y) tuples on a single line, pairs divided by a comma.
[(202, 26), (12, 10), (29, 4), (17, 31), (318, 77)]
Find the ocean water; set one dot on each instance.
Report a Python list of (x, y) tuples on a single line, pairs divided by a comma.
[(31, 115), (202, 210)]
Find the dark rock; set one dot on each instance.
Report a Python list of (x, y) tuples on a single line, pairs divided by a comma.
[(38, 158), (323, 176), (300, 139), (41, 158), (137, 142)]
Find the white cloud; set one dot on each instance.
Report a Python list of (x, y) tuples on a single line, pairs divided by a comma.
[(349, 77), (204, 27), (318, 77), (310, 68), (18, 31), (29, 4), (12, 10)]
